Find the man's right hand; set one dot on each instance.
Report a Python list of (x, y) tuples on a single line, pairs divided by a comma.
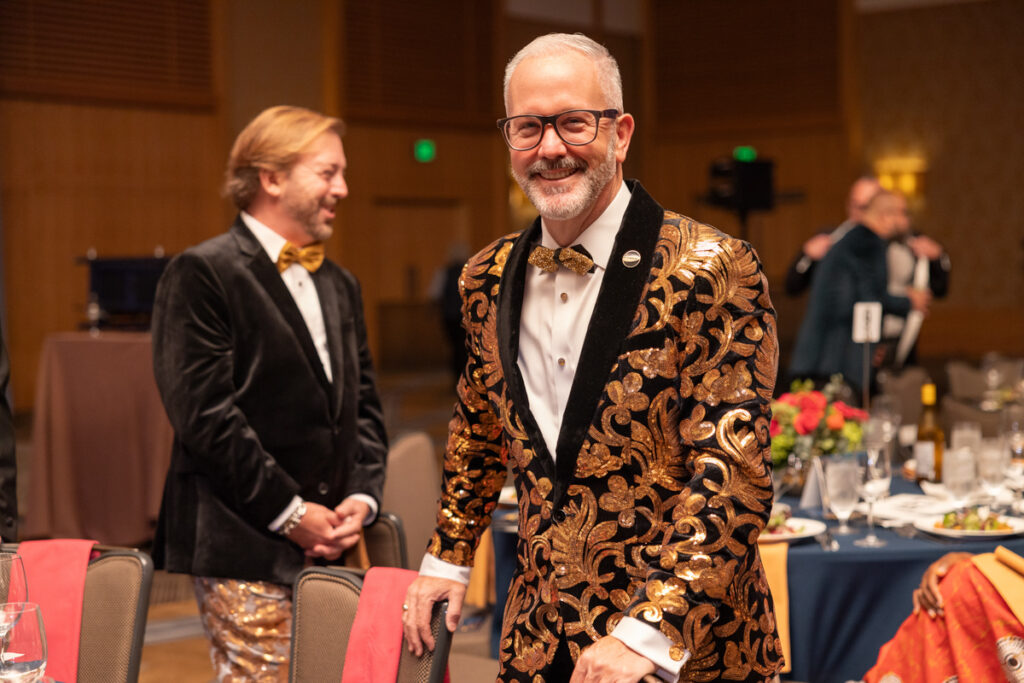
[(314, 532), (419, 601), (817, 246), (919, 299)]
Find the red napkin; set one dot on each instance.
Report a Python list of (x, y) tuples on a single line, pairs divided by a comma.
[(375, 644), (56, 582)]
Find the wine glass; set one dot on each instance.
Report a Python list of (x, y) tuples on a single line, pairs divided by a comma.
[(24, 640), (13, 584), (958, 474), (993, 462), (842, 481), (876, 476), (1013, 429)]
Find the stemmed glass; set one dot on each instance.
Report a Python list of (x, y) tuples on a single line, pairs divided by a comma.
[(875, 479), (13, 584), (24, 656), (993, 462), (842, 482), (1013, 429)]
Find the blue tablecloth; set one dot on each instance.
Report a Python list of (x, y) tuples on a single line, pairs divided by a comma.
[(843, 606)]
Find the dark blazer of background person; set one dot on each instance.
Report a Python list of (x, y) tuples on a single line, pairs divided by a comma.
[(255, 417), (8, 464), (853, 270)]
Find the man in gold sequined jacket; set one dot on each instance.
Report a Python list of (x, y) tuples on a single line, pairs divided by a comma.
[(621, 359)]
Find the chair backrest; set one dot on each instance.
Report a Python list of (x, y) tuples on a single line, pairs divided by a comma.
[(966, 382), (385, 541), (114, 609), (905, 389), (412, 488), (324, 605), (116, 601)]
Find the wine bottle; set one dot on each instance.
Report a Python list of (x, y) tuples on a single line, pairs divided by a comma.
[(930, 439)]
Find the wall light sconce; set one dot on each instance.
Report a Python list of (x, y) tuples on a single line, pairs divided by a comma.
[(902, 174)]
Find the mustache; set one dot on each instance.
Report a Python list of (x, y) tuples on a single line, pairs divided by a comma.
[(556, 165)]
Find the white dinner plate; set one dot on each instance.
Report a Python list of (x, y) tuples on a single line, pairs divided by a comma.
[(796, 528), (928, 525)]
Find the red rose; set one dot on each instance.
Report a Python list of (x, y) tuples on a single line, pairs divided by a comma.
[(812, 400), (850, 413), (774, 429), (789, 399), (807, 421)]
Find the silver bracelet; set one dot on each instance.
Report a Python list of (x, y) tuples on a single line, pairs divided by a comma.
[(293, 520)]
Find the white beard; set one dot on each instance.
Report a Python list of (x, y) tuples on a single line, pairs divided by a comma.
[(563, 203)]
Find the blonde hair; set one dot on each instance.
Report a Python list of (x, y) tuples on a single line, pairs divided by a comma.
[(272, 141), (557, 43)]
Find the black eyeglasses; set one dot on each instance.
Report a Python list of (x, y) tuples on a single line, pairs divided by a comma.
[(575, 127)]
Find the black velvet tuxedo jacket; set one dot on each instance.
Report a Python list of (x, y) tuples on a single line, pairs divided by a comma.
[(662, 479), (256, 420)]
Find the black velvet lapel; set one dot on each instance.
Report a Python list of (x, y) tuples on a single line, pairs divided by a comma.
[(331, 306), (510, 308), (265, 272), (617, 303)]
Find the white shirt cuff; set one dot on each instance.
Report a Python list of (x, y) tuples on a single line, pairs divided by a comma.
[(276, 523), (431, 566), (369, 501), (649, 642)]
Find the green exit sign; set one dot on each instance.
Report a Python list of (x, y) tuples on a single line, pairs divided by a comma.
[(744, 153), (424, 150)]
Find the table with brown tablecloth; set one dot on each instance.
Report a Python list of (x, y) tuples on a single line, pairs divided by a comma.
[(101, 439)]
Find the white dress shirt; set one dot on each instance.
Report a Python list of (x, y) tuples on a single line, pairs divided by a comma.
[(553, 325), (300, 285)]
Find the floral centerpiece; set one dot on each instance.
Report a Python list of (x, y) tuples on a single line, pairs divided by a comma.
[(808, 423)]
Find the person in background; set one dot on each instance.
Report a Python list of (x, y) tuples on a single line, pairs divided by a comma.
[(622, 359), (966, 625), (801, 270), (853, 270), (8, 463), (261, 359)]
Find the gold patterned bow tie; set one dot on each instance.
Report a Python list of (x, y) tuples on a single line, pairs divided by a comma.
[(309, 257), (576, 258)]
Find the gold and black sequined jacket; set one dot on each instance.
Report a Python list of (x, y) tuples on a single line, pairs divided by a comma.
[(662, 480)]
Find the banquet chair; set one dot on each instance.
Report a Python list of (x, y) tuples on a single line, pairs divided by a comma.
[(412, 489), (385, 542), (324, 604), (116, 600)]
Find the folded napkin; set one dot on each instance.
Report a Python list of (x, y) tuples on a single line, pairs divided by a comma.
[(375, 643), (774, 557), (1005, 571), (56, 582)]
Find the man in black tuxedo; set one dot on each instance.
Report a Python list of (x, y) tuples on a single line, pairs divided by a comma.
[(267, 379)]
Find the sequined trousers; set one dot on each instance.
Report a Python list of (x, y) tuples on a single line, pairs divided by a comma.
[(249, 627)]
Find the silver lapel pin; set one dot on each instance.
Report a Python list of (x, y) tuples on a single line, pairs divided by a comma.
[(631, 259)]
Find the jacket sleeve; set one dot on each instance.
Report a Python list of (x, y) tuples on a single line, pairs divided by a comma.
[(193, 360), (727, 363), (474, 462), (367, 475)]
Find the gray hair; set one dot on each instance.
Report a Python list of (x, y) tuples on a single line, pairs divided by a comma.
[(557, 43)]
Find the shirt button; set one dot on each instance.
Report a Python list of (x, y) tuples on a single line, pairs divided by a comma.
[(322, 488), (565, 297), (561, 362)]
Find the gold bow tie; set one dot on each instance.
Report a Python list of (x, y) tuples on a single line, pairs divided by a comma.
[(310, 257), (576, 258)]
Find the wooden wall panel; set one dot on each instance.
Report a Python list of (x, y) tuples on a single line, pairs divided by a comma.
[(75, 177)]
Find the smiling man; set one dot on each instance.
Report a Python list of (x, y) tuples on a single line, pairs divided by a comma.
[(621, 359), (261, 359)]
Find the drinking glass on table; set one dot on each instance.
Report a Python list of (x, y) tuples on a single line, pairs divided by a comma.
[(1013, 429), (958, 474), (875, 478), (13, 584), (965, 435), (993, 463), (23, 657), (842, 482)]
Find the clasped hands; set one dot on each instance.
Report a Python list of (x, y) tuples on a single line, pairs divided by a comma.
[(323, 532), (606, 661)]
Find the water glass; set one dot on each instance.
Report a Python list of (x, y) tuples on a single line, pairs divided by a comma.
[(958, 473), (13, 584), (875, 479), (965, 435), (23, 645), (1013, 429), (842, 482), (993, 462)]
